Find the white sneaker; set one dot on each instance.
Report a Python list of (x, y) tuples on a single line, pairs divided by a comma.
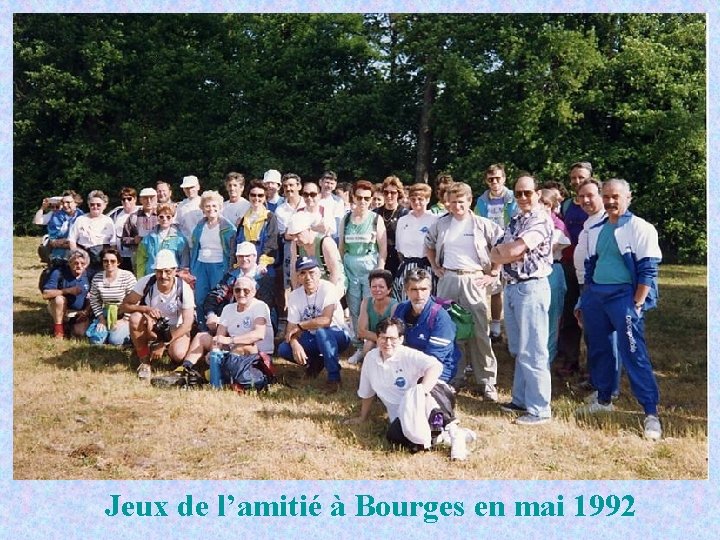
[(144, 372), (652, 430), (356, 358), (591, 398), (595, 408), (459, 439)]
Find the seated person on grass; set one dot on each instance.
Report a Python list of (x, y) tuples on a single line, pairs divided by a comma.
[(420, 406), (243, 329), (66, 291), (160, 297), (222, 294)]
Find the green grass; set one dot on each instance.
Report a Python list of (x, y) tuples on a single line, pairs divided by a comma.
[(80, 413)]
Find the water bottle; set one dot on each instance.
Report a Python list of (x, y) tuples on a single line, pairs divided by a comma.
[(215, 359)]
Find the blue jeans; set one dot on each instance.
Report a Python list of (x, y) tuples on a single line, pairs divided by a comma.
[(323, 350), (558, 287), (208, 275), (526, 306), (610, 321)]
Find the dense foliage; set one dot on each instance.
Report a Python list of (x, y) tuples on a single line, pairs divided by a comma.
[(103, 101)]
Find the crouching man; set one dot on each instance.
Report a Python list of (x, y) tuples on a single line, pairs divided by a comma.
[(420, 407), (315, 335), (66, 291), (162, 309)]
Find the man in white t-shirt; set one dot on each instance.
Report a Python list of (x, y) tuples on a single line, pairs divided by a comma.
[(392, 372), (333, 205), (244, 328), (315, 335), (458, 248), (155, 298)]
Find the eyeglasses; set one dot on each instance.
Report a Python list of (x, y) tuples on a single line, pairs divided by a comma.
[(389, 192), (242, 291), (391, 339), (526, 193), (257, 195), (360, 198), (94, 204), (312, 194), (109, 261), (163, 216), (128, 198), (494, 179)]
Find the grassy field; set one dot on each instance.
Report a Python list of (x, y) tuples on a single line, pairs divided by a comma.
[(80, 413)]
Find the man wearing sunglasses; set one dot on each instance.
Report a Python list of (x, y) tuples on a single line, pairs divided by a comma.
[(497, 204), (243, 330), (525, 251), (161, 295)]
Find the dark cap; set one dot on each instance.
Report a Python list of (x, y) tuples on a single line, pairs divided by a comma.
[(306, 263)]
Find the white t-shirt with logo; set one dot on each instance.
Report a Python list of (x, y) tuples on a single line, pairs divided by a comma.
[(303, 307), (459, 246), (411, 232), (390, 379), (167, 304), (242, 322)]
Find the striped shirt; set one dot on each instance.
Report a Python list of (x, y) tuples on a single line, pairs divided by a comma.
[(102, 293)]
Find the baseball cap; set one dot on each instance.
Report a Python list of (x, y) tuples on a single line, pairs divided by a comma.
[(165, 259), (190, 181), (305, 263)]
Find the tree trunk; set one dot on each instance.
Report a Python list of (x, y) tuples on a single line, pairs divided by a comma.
[(424, 143)]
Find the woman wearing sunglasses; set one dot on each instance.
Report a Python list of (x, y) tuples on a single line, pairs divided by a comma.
[(165, 235), (363, 247)]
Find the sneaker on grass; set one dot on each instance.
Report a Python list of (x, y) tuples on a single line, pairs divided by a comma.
[(531, 420), (356, 358), (652, 429), (512, 408), (595, 408)]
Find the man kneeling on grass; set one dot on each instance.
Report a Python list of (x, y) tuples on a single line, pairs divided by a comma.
[(162, 310), (420, 407), (243, 333)]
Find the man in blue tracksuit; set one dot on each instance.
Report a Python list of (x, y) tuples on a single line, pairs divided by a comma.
[(621, 269), (428, 327)]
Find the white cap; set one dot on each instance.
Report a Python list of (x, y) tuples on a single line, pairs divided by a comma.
[(272, 176), (301, 221), (190, 181), (245, 248), (148, 192), (165, 259)]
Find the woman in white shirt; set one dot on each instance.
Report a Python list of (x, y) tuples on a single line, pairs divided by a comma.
[(93, 231), (410, 238)]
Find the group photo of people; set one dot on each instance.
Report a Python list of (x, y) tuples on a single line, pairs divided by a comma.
[(326, 275), (360, 246)]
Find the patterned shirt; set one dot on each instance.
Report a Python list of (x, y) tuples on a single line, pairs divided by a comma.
[(536, 229)]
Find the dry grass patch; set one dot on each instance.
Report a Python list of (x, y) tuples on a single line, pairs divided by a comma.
[(80, 413)]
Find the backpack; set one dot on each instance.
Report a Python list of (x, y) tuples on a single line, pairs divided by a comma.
[(248, 372), (463, 318), (149, 285)]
